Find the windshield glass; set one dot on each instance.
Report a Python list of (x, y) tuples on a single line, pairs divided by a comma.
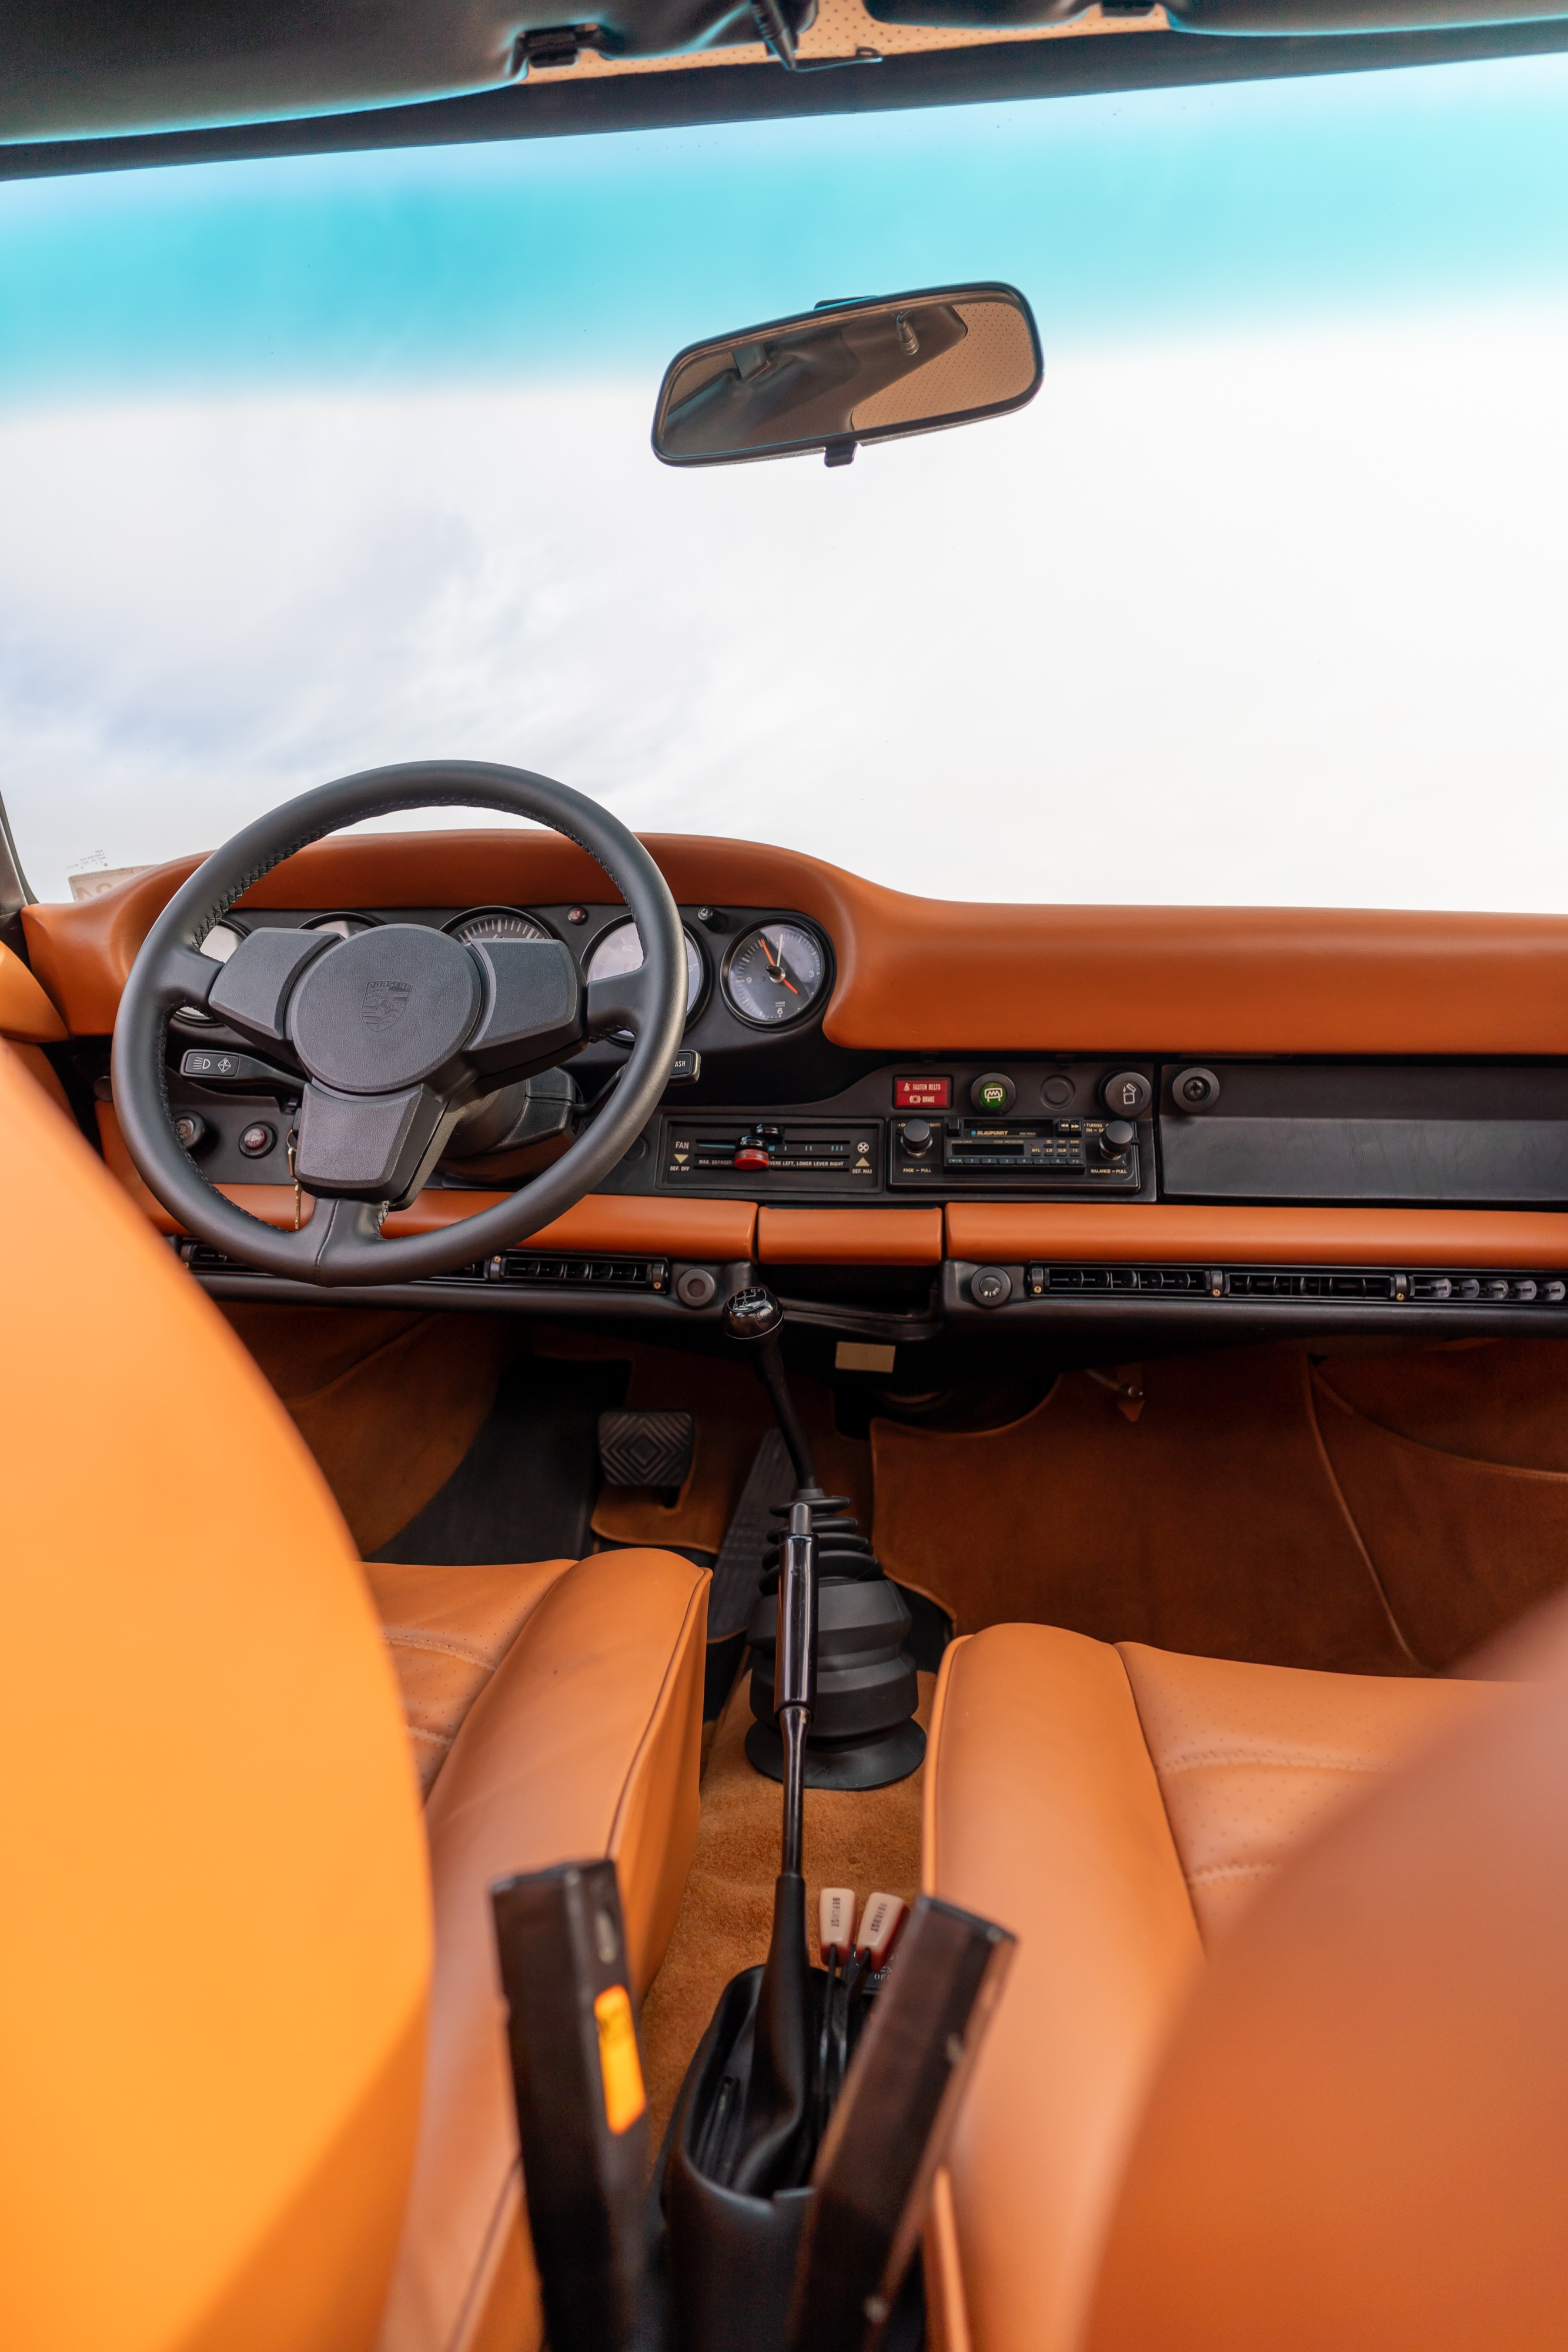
[(310, 465)]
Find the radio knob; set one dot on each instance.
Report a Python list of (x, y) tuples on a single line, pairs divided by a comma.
[(917, 1136), (1118, 1136)]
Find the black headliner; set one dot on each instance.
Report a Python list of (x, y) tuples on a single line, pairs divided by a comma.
[(741, 93)]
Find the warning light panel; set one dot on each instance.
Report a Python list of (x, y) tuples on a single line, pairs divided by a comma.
[(922, 1094)]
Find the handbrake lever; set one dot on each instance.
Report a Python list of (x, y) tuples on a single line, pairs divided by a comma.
[(778, 2101)]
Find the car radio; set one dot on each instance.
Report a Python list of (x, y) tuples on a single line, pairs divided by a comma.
[(1099, 1152)]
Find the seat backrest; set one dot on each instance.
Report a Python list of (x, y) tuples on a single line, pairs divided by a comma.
[(215, 1944), (1359, 2135)]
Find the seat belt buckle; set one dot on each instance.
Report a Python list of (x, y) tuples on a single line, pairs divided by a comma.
[(835, 1923), (577, 2081)]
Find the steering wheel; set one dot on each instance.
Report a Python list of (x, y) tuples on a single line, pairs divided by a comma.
[(395, 1031)]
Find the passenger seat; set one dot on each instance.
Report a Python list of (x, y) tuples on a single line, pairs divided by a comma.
[(1119, 1807)]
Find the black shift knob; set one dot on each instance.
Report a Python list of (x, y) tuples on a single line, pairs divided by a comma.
[(753, 1314)]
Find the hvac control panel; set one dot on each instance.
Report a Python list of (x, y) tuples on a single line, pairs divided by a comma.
[(795, 1154), (1066, 1126)]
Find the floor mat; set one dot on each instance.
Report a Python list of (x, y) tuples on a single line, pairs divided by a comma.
[(1211, 1522), (732, 1415), (526, 1487), (870, 1841)]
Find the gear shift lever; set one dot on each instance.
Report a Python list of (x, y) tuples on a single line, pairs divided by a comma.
[(755, 1318), (862, 1733)]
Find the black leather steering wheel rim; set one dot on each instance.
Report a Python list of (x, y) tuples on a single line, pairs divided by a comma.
[(341, 1244)]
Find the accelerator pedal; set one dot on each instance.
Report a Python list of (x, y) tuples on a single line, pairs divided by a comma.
[(646, 1449)]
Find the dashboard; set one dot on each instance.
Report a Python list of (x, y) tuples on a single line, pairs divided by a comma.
[(919, 1119)]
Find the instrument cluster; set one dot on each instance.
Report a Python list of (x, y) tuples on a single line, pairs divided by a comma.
[(770, 972)]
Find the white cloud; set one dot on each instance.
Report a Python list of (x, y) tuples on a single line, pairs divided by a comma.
[(1278, 619)]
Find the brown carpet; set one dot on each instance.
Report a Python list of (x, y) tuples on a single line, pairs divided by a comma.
[(869, 1841), (1454, 1464), (388, 1403), (1210, 1524)]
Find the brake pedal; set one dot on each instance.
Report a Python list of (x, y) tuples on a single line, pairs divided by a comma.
[(646, 1449)]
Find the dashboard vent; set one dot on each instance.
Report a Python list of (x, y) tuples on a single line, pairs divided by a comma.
[(1345, 1285), (1180, 1280), (1314, 1285), (595, 1272)]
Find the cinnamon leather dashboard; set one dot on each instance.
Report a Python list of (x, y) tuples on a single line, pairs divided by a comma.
[(1390, 1091), (923, 974)]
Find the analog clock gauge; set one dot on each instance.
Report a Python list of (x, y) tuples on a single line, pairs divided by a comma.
[(776, 973), (620, 949), (496, 923)]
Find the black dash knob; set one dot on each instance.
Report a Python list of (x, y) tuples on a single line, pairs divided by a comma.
[(1126, 1093), (1118, 1136), (1195, 1090), (917, 1135), (990, 1285)]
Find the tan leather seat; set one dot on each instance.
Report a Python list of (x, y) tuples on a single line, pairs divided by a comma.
[(1120, 1809), (249, 2025)]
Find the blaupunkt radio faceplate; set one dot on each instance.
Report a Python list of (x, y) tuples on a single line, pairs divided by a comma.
[(1099, 1154)]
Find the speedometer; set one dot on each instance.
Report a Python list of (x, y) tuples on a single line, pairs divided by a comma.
[(620, 949), (496, 923), (776, 973)]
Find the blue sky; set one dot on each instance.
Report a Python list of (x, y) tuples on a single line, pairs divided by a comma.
[(1118, 216), (305, 466)]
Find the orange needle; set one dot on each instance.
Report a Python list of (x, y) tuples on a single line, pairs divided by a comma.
[(776, 965)]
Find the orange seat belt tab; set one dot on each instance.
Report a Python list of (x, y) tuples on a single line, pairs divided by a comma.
[(577, 2079)]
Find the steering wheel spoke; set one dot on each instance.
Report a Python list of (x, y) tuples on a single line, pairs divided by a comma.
[(622, 1000), (533, 1006), (252, 989), (345, 1242), (368, 1147), (182, 975)]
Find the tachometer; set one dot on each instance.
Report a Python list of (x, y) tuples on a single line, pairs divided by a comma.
[(776, 973), (620, 949), (496, 923), (342, 927)]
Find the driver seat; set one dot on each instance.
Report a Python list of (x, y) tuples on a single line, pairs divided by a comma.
[(250, 2024)]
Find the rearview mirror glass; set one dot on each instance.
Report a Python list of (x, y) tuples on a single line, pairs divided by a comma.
[(847, 372)]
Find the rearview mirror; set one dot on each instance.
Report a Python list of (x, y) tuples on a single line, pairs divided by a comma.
[(847, 372)]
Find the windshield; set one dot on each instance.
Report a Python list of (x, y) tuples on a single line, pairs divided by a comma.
[(310, 465)]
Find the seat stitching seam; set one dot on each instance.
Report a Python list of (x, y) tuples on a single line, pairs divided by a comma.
[(450, 1645), (436, 1738), (1231, 1870), (1159, 1776), (655, 1712), (1200, 1759)]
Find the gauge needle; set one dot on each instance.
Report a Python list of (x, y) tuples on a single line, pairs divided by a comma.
[(776, 966)]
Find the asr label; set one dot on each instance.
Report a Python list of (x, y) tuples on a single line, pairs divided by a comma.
[(619, 2067)]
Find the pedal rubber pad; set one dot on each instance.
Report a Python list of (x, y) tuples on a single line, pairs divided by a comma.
[(645, 1449)]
